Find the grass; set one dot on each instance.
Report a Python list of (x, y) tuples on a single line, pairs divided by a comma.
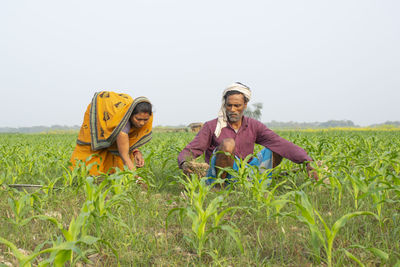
[(133, 231)]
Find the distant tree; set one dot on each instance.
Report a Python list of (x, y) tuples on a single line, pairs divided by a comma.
[(310, 125), (393, 123), (336, 123), (254, 113)]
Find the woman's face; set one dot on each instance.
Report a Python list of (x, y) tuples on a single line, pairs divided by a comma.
[(140, 119)]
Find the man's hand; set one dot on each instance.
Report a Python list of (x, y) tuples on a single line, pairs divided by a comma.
[(198, 168), (312, 173), (186, 168), (139, 161)]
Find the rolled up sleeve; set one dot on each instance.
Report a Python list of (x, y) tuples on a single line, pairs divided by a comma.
[(197, 146), (268, 138)]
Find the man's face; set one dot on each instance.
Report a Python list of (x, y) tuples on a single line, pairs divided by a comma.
[(234, 107), (140, 119)]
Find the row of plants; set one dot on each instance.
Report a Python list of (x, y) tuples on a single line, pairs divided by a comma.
[(351, 216)]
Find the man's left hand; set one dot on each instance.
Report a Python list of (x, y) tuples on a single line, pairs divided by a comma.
[(312, 173)]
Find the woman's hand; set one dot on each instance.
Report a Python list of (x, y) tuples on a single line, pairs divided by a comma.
[(139, 161)]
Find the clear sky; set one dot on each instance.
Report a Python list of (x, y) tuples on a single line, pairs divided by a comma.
[(304, 60)]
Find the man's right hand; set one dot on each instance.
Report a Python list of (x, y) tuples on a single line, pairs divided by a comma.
[(189, 167), (186, 168)]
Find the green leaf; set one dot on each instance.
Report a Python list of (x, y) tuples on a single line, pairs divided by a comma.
[(170, 213), (89, 240), (327, 230), (21, 257), (219, 216), (343, 220), (354, 258), (62, 257), (232, 233), (49, 219), (377, 252)]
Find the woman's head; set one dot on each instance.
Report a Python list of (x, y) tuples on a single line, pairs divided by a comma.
[(141, 114), (143, 107)]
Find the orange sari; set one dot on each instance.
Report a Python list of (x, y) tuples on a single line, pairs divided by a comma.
[(105, 117)]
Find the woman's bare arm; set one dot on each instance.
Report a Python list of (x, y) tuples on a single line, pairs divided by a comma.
[(123, 149)]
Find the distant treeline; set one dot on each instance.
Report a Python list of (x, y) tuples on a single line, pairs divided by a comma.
[(322, 125), (39, 129), (272, 125)]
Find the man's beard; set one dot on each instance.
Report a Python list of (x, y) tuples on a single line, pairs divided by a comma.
[(234, 116)]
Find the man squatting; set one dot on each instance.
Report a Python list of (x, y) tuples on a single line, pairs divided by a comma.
[(236, 134)]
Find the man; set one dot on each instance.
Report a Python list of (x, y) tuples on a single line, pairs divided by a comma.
[(236, 134)]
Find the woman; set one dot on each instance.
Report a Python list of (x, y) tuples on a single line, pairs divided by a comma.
[(114, 126)]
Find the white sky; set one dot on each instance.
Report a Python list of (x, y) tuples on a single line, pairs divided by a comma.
[(304, 60)]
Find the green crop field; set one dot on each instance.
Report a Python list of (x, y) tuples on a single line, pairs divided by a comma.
[(352, 218)]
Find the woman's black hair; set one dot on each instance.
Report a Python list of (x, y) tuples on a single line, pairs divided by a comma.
[(144, 107)]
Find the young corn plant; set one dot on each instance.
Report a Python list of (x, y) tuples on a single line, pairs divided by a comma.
[(205, 219), (160, 166), (319, 238), (59, 252), (64, 247), (241, 177), (23, 260), (256, 184), (3, 178), (358, 186), (336, 186), (20, 206), (378, 191), (252, 181), (78, 174), (121, 180), (277, 203), (377, 252), (48, 189), (100, 202)]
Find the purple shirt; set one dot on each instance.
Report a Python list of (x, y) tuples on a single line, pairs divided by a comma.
[(251, 132), (127, 127)]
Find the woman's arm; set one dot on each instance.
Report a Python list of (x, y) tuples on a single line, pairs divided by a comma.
[(123, 149)]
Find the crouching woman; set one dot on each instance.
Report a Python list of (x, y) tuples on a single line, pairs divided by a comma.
[(114, 127)]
